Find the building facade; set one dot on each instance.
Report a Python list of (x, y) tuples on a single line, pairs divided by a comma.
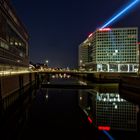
[(13, 39), (114, 50), (83, 55)]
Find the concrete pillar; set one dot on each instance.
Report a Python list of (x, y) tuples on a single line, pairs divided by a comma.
[(108, 67), (133, 67), (101, 67), (128, 66), (119, 67)]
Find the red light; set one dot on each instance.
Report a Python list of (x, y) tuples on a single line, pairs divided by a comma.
[(138, 43), (105, 29), (90, 120), (107, 128), (90, 35)]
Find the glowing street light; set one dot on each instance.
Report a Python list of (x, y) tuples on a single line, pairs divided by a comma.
[(47, 61)]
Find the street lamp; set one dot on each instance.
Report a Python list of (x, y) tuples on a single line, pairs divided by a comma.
[(47, 62)]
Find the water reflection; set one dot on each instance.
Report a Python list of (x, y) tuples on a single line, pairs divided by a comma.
[(107, 110)]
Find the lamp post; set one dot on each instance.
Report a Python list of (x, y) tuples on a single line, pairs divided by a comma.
[(47, 62)]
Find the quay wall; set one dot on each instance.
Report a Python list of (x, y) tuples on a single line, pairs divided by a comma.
[(12, 83), (17, 87), (104, 76)]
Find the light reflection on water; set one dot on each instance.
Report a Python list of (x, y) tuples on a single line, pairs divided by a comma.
[(108, 110), (105, 109)]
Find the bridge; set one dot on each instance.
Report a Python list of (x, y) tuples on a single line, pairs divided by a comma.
[(9, 72)]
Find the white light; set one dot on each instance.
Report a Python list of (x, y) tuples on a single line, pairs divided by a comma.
[(16, 43), (119, 99), (47, 96), (68, 76), (114, 99), (53, 76), (11, 43), (116, 107)]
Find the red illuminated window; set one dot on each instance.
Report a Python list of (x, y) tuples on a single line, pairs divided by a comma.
[(107, 128), (105, 29)]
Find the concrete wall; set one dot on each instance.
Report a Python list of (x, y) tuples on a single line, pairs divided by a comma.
[(10, 84), (26, 79)]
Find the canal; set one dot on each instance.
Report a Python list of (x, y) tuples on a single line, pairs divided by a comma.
[(64, 108)]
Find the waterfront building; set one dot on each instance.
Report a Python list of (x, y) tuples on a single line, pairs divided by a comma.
[(113, 50), (84, 56), (13, 39)]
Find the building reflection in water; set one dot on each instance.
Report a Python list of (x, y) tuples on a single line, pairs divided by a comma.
[(107, 110)]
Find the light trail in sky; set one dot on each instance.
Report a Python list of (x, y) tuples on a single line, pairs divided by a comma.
[(121, 13)]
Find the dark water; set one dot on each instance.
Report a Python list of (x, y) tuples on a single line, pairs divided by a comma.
[(99, 113)]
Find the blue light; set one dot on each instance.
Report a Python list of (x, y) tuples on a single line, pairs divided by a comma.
[(108, 135), (128, 7)]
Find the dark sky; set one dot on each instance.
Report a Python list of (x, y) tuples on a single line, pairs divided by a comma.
[(57, 27)]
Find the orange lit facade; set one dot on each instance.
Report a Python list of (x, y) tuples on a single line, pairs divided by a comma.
[(13, 39)]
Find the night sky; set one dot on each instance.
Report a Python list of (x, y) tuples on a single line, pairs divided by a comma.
[(57, 27)]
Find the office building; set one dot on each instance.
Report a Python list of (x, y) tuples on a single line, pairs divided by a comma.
[(84, 50), (13, 39), (83, 55), (113, 50)]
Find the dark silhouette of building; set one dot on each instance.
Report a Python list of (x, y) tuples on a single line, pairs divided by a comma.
[(13, 39)]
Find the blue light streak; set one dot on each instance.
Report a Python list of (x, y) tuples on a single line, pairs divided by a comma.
[(128, 7), (108, 135)]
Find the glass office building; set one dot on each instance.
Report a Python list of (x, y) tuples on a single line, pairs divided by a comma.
[(114, 50), (83, 54), (13, 39)]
